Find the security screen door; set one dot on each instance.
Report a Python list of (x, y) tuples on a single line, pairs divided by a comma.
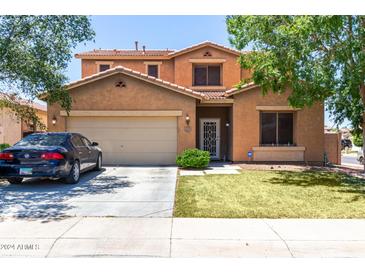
[(210, 136)]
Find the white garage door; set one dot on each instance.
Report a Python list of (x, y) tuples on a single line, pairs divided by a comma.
[(130, 140)]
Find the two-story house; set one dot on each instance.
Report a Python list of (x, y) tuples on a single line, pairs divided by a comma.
[(146, 106)]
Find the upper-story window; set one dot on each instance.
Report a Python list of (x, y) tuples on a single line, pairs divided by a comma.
[(207, 75), (103, 67), (152, 70)]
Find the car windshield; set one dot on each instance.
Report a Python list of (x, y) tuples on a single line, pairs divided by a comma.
[(42, 140)]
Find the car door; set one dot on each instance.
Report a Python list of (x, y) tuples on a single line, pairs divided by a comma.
[(81, 150), (92, 152)]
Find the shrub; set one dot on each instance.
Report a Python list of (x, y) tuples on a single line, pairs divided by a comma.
[(357, 139), (193, 158), (4, 146)]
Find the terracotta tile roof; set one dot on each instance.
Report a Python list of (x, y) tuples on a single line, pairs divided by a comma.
[(15, 98), (214, 95), (137, 74), (124, 52), (153, 52), (203, 44), (243, 88)]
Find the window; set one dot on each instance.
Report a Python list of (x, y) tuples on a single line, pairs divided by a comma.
[(276, 128), (103, 67), (86, 142), (42, 140), (76, 141), (207, 75), (152, 70)]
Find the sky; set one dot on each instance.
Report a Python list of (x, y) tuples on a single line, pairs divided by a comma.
[(155, 32)]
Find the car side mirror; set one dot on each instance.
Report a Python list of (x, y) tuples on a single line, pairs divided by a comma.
[(94, 144)]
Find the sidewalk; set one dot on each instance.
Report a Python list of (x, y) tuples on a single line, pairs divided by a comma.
[(180, 237)]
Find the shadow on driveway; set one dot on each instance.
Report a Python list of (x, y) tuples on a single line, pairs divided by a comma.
[(47, 199)]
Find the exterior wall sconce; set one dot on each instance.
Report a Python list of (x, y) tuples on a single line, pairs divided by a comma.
[(54, 120), (227, 124), (187, 119)]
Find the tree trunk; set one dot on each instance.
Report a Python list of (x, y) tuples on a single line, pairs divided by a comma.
[(362, 92)]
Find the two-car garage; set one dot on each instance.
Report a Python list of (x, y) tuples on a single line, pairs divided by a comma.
[(142, 122), (130, 140)]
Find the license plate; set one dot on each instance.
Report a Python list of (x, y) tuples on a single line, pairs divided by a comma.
[(25, 171)]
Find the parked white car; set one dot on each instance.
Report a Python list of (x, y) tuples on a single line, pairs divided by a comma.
[(360, 156)]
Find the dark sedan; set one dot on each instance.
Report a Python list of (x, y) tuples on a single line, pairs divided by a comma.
[(50, 155)]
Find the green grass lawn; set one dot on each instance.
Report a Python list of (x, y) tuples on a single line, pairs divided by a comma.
[(271, 194)]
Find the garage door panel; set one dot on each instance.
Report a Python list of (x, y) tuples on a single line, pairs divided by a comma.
[(140, 158), (118, 122), (138, 146), (130, 134), (130, 140)]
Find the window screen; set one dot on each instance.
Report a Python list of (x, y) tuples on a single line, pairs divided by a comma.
[(103, 67), (268, 128), (207, 75), (153, 70), (276, 128)]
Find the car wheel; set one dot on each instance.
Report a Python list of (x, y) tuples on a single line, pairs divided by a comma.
[(74, 176), (99, 162), (361, 160), (15, 181)]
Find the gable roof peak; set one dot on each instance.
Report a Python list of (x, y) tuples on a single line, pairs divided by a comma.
[(135, 74)]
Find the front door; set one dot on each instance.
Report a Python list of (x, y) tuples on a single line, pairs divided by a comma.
[(210, 136)]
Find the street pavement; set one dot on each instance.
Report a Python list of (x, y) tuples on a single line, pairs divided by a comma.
[(182, 237)]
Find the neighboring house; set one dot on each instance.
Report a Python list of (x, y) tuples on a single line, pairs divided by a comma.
[(13, 129), (145, 106)]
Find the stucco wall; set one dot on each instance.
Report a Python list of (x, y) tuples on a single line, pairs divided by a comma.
[(332, 143), (231, 74), (137, 95), (179, 70), (10, 127), (308, 124), (90, 67)]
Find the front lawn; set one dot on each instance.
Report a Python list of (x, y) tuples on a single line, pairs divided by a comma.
[(271, 194)]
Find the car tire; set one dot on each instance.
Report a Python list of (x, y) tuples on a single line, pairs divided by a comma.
[(99, 162), (74, 176), (15, 181)]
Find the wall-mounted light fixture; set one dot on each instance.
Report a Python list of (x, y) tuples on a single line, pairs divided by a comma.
[(54, 120), (187, 119), (227, 124)]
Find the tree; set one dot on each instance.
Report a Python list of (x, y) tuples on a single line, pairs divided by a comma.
[(321, 58), (357, 139), (35, 51)]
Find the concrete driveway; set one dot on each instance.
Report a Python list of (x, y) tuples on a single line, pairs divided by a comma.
[(115, 191)]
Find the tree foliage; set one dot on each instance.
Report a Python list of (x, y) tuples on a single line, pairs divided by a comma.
[(318, 57), (35, 51)]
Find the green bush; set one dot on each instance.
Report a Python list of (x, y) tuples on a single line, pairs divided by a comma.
[(193, 158), (4, 146), (357, 139)]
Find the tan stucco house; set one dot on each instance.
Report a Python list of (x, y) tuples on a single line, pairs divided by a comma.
[(145, 106), (12, 128)]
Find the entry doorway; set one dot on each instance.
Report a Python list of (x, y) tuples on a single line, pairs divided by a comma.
[(210, 136)]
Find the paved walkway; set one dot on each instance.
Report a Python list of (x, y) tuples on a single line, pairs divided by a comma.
[(182, 237), (214, 168)]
